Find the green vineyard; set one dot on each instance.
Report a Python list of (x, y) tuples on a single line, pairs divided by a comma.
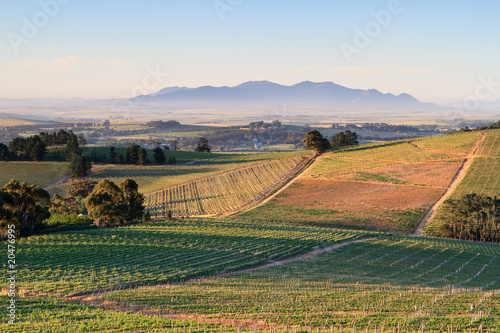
[(226, 192), (388, 284), (162, 252)]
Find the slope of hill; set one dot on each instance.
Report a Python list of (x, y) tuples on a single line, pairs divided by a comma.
[(386, 186), (37, 173), (483, 177), (388, 282), (227, 192)]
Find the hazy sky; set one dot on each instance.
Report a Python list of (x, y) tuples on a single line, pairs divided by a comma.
[(437, 51)]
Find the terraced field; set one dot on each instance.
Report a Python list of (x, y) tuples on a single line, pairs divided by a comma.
[(383, 186)]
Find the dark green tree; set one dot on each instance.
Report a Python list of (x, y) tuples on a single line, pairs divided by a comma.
[(132, 154), (5, 154), (80, 166), (28, 205), (346, 138), (142, 157), (133, 199), (119, 158), (159, 156), (112, 154), (106, 205), (202, 146), (315, 141)]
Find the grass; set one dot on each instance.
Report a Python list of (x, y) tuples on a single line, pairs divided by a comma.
[(38, 173)]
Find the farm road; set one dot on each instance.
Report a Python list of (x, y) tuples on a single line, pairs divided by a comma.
[(459, 176)]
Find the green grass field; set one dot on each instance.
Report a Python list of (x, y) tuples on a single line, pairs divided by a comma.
[(38, 173)]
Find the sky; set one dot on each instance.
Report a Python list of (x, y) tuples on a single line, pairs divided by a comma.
[(437, 51)]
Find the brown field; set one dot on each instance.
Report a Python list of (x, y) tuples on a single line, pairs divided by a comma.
[(359, 205), (359, 196), (434, 174), (6, 122)]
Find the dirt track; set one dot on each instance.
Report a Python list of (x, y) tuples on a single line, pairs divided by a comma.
[(459, 176)]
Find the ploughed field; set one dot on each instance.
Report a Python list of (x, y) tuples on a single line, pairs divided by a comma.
[(384, 186)]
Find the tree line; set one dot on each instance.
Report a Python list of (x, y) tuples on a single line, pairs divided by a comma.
[(34, 148), (472, 217)]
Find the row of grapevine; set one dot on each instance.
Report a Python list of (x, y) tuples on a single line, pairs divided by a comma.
[(389, 283), (225, 192)]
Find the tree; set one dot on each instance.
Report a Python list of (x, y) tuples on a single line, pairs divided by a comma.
[(106, 205), (37, 150), (174, 145), (119, 158), (5, 154), (112, 154), (110, 205), (25, 206), (346, 138), (72, 146), (81, 187), (32, 147), (202, 146), (133, 199), (142, 157), (132, 154), (159, 156), (80, 166), (316, 142), (62, 205), (472, 217)]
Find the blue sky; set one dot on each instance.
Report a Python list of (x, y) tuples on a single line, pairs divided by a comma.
[(436, 51)]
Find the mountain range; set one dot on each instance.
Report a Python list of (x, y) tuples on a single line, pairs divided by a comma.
[(304, 95)]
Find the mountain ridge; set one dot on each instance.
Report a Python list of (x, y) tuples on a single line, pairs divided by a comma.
[(306, 94)]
